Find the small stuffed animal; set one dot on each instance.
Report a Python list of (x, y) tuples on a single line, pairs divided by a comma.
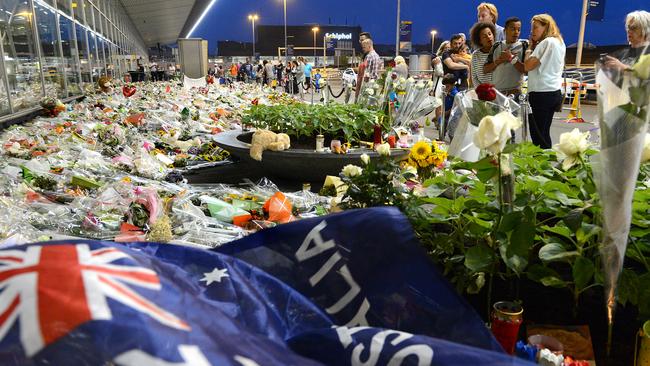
[(105, 84), (267, 140)]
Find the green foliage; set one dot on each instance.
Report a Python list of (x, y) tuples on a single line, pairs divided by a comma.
[(551, 235), (352, 121), (377, 185)]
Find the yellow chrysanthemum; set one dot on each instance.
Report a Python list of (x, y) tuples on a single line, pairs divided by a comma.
[(421, 151)]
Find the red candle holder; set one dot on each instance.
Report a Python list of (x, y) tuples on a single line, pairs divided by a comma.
[(506, 320)]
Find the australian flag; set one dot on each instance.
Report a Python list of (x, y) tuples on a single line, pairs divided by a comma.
[(347, 289)]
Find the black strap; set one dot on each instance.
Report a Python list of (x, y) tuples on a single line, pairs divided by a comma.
[(332, 93)]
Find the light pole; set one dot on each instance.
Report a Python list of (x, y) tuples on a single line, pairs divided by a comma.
[(253, 18), (315, 30), (433, 37), (286, 47), (398, 30)]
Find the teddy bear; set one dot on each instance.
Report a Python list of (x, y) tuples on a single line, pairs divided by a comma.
[(105, 84), (267, 140)]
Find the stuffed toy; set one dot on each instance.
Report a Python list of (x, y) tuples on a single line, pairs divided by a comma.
[(105, 84), (267, 140)]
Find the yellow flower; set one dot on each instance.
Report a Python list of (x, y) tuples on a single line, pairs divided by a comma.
[(421, 150)]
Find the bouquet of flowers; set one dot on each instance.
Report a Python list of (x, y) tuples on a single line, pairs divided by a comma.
[(415, 97), (52, 106), (624, 111), (426, 158), (474, 106)]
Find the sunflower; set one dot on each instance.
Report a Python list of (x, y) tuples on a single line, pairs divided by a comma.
[(421, 151)]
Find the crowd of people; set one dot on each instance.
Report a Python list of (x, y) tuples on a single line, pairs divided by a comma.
[(293, 77), (498, 55)]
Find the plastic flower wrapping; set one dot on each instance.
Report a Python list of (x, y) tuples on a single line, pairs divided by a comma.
[(112, 168), (624, 113), (469, 109)]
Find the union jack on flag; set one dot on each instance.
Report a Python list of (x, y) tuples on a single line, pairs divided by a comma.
[(53, 289)]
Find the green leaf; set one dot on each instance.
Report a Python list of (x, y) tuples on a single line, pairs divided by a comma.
[(560, 230), (573, 219), (583, 272), (545, 276), (479, 258), (522, 239), (554, 252), (509, 148), (485, 168)]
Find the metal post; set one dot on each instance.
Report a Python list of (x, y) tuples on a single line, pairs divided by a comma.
[(286, 47), (398, 30), (581, 36), (253, 21), (5, 77), (57, 18), (38, 45)]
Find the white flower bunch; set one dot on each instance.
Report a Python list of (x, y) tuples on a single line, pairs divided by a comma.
[(572, 145), (383, 149), (494, 132), (351, 170)]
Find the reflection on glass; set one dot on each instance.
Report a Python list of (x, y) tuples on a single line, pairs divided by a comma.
[(21, 61), (88, 10), (52, 67), (93, 59), (83, 54), (64, 5), (70, 56)]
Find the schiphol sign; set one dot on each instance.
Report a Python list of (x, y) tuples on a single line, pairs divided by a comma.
[(338, 36)]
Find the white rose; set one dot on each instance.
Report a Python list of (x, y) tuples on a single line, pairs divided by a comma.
[(370, 91), (645, 155), (383, 149), (351, 170), (494, 132), (571, 145), (365, 158)]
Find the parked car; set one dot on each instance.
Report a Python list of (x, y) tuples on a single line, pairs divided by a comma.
[(350, 77)]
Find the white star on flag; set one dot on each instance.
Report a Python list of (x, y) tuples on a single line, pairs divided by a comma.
[(215, 276)]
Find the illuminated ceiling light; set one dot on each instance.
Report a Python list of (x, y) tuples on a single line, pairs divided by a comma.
[(200, 18)]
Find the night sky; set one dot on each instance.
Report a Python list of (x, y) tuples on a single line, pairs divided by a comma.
[(227, 20)]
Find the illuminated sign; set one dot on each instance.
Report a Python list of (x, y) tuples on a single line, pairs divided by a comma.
[(339, 36)]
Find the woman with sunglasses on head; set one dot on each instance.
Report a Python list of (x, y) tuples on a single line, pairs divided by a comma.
[(544, 63)]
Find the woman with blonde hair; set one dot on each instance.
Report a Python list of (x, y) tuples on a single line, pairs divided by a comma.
[(488, 13), (544, 63), (444, 47)]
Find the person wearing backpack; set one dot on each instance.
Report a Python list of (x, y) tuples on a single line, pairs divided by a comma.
[(506, 60)]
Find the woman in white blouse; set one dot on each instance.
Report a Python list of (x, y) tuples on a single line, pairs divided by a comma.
[(544, 63)]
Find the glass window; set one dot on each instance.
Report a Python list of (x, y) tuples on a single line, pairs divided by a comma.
[(50, 51), (21, 61), (93, 59), (64, 5), (70, 54), (88, 10), (82, 48)]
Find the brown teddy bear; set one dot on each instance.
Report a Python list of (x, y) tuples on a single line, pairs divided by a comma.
[(105, 84), (267, 140)]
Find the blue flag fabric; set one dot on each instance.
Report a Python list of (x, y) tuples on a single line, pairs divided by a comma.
[(83, 302), (366, 268)]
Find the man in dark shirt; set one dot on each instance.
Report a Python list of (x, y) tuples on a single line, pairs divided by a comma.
[(455, 65)]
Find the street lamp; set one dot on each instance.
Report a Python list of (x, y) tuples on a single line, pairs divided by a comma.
[(253, 18), (433, 37), (397, 33), (286, 46), (315, 30)]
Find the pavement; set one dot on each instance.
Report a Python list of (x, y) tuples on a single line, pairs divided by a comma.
[(558, 127)]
